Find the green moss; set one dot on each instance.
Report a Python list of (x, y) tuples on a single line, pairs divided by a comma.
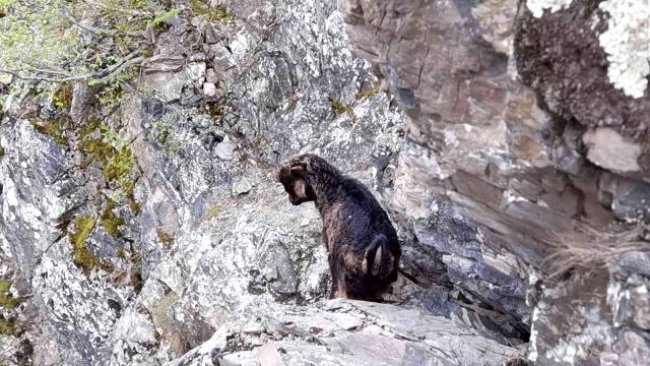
[(81, 255), (117, 164), (213, 211), (134, 206), (165, 238), (338, 107), (117, 168), (54, 128), (6, 300), (367, 93), (62, 97), (2, 152), (138, 4), (109, 220), (218, 13), (7, 327), (161, 131)]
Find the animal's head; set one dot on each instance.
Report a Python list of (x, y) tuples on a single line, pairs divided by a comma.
[(294, 176)]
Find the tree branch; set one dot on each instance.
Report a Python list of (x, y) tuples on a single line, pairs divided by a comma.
[(101, 31), (102, 76)]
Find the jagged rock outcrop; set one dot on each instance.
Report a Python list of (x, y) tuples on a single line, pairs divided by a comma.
[(507, 140), (528, 117), (149, 230)]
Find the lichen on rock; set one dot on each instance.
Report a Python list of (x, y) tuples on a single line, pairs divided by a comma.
[(626, 42)]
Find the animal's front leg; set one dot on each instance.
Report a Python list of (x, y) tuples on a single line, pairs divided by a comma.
[(339, 288), (334, 286)]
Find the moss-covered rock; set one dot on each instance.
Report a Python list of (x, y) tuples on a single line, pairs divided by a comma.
[(109, 220), (62, 97), (54, 128), (7, 327), (101, 145), (81, 255), (7, 301), (217, 13), (338, 107)]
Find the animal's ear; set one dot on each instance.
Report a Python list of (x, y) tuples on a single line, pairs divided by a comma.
[(378, 260), (297, 170), (299, 191), (300, 188), (301, 165)]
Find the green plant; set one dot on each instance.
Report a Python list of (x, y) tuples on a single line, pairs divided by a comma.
[(62, 97), (338, 107), (81, 255), (162, 133), (7, 327), (53, 128), (6, 300), (109, 220), (103, 146), (213, 211), (217, 13), (40, 39), (163, 17)]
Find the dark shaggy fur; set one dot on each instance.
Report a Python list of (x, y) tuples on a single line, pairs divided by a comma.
[(362, 245)]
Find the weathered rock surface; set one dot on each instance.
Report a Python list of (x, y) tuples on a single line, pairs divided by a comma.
[(157, 234), (341, 332), (152, 233), (519, 163)]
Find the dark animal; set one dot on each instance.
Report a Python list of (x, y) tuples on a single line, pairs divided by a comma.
[(362, 245)]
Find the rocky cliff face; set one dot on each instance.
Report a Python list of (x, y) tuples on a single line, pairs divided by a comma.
[(530, 118), (147, 229)]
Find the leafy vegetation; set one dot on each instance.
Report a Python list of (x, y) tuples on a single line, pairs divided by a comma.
[(102, 145), (42, 39), (161, 131)]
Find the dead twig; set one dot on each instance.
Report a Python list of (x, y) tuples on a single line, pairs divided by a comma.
[(590, 250), (101, 31)]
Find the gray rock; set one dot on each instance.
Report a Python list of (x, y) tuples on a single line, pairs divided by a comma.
[(384, 335), (209, 90), (609, 150), (168, 86), (493, 171), (225, 150), (211, 264)]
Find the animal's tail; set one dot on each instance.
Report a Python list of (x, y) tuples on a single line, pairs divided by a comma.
[(380, 260)]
